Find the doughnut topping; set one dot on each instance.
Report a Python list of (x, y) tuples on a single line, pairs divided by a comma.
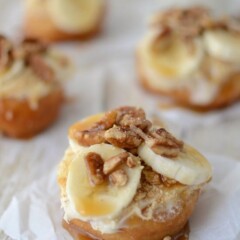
[(137, 169), (189, 49)]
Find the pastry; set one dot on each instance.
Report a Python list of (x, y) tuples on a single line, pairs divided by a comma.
[(58, 20), (30, 93), (192, 57), (123, 178)]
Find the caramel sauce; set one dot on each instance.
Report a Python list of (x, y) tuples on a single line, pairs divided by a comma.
[(79, 234), (85, 124), (91, 206)]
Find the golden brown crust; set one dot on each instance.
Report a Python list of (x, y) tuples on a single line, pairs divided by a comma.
[(38, 24), (19, 120), (138, 229), (228, 94)]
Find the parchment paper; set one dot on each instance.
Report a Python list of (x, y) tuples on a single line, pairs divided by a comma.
[(105, 77)]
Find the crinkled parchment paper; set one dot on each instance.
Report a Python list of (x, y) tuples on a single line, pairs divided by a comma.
[(105, 77)]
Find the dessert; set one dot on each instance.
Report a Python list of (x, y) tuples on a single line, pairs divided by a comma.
[(192, 57), (123, 178), (30, 91), (56, 20)]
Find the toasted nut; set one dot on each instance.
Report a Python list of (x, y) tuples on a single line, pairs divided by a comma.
[(128, 116), (118, 178), (42, 69), (32, 46), (94, 164), (122, 137), (112, 163), (167, 181), (6, 49), (132, 161), (89, 137), (152, 177), (163, 143)]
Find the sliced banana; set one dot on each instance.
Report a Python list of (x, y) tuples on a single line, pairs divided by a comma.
[(222, 44), (102, 201), (74, 15), (189, 168), (173, 57)]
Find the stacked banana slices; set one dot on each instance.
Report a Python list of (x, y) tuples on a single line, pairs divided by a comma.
[(176, 58), (106, 201)]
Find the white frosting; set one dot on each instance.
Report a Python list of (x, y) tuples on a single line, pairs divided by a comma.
[(20, 82), (203, 87)]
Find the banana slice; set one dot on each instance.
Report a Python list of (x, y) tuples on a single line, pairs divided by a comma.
[(102, 201), (174, 58), (74, 15), (222, 44), (189, 168)]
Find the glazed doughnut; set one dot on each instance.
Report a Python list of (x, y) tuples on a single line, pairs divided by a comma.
[(30, 92), (192, 58), (123, 178)]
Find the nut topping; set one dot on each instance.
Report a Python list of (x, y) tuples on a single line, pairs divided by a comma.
[(5, 52), (90, 137), (128, 116), (122, 137), (164, 144), (94, 164), (42, 69), (112, 163), (187, 22), (118, 178)]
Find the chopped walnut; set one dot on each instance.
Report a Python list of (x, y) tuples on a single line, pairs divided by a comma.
[(89, 137), (118, 178), (94, 164), (132, 161), (41, 68), (128, 116), (188, 22), (167, 181), (152, 177), (163, 143), (6, 49), (112, 163), (122, 137), (32, 46)]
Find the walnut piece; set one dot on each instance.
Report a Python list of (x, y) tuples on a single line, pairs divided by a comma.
[(188, 22), (122, 137), (152, 177), (41, 68), (32, 46), (128, 116), (132, 161), (112, 163), (6, 49), (118, 178), (163, 143), (167, 181), (89, 137), (94, 164)]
